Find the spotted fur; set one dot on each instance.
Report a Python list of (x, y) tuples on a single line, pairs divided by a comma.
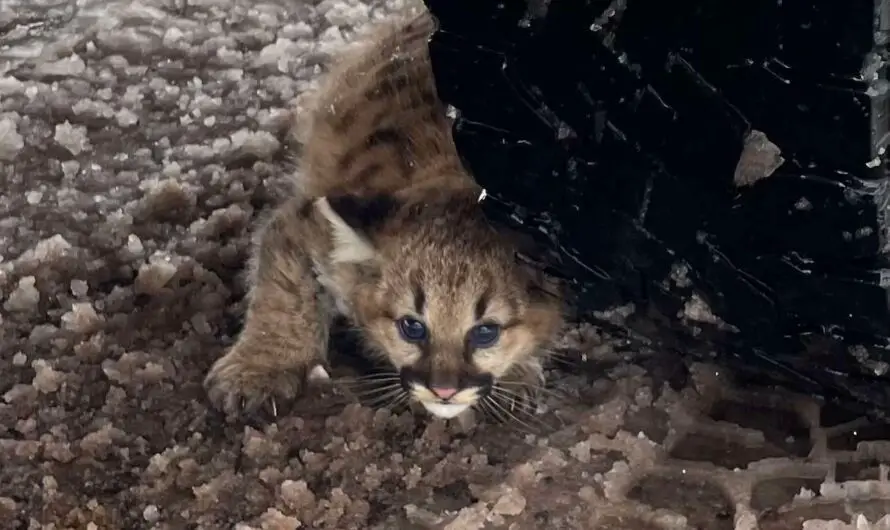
[(386, 225)]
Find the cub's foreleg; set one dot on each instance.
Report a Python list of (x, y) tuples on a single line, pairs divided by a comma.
[(286, 327)]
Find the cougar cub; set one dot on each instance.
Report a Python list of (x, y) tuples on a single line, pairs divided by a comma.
[(386, 230)]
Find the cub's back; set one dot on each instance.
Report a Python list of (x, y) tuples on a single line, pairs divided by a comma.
[(376, 123)]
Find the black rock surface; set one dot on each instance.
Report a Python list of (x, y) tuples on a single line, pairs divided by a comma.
[(615, 134)]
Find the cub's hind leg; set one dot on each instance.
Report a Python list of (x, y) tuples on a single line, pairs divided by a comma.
[(286, 327)]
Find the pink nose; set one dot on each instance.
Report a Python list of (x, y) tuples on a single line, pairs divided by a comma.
[(444, 392)]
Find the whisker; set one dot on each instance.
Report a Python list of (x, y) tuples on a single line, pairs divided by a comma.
[(562, 359), (389, 402), (559, 362), (559, 396), (528, 429), (559, 353), (521, 400), (525, 400), (377, 392), (527, 405), (385, 397), (530, 393), (498, 408), (490, 411), (372, 380), (378, 375), (363, 386), (398, 401), (380, 384), (518, 397), (377, 386), (395, 402)]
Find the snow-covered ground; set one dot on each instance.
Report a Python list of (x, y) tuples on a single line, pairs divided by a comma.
[(138, 142)]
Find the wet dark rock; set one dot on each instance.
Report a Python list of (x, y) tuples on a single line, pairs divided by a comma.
[(717, 165)]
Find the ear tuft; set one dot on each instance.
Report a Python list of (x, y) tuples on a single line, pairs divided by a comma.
[(354, 219)]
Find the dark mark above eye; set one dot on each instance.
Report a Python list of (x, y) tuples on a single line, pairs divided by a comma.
[(482, 305), (419, 298)]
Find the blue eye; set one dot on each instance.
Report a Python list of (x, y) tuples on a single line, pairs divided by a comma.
[(485, 335), (411, 329)]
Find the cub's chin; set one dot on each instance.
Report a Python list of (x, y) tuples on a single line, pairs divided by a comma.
[(444, 410)]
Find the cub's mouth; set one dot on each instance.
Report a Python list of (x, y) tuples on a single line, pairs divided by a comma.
[(445, 400)]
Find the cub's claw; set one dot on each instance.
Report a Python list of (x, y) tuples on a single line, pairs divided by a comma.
[(239, 387)]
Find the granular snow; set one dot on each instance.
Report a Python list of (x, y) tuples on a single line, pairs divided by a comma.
[(11, 141), (140, 140)]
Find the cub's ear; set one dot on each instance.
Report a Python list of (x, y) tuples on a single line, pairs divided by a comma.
[(354, 220)]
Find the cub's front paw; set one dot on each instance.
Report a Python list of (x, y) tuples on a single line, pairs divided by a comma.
[(240, 385)]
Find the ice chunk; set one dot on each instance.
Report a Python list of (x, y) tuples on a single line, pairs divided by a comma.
[(469, 518), (10, 85), (100, 441), (20, 393), (11, 142), (167, 198), (50, 248), (50, 483), (79, 288), (297, 495), (95, 109), (151, 513), (172, 36), (330, 41), (318, 374), (25, 297), (221, 145), (511, 503), (72, 137), (273, 519), (126, 118), (422, 516), (298, 31), (760, 158), (129, 40), (346, 14), (155, 274), (46, 379), (42, 334), (261, 143), (258, 447), (70, 168), (134, 244), (82, 318), (273, 119), (69, 66), (33, 197), (7, 505), (581, 451), (280, 53), (173, 169)]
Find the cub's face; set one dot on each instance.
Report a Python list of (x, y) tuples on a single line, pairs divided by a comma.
[(441, 298), (459, 328)]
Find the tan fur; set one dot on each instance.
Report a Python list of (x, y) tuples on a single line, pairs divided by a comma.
[(387, 225)]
